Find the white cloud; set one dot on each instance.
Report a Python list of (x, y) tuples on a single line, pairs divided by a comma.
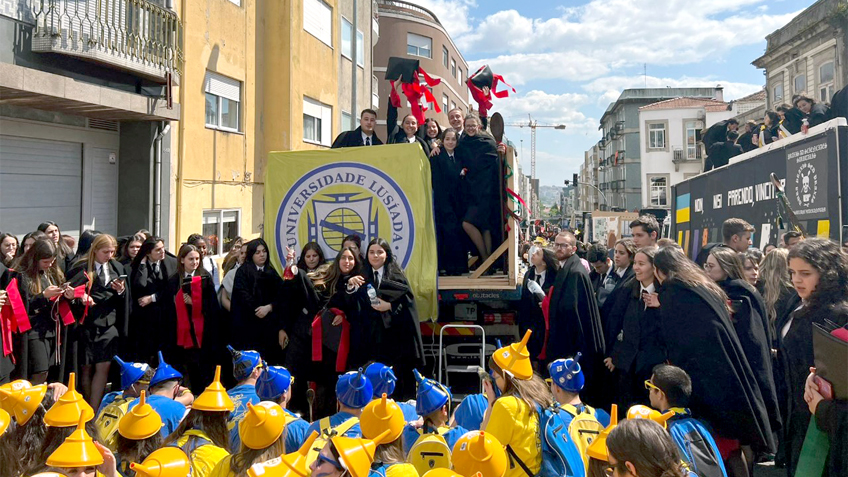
[(453, 15), (609, 88), (520, 68), (547, 108)]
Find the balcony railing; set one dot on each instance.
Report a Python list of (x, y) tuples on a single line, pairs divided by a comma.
[(135, 35), (686, 155)]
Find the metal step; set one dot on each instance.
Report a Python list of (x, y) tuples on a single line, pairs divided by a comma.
[(462, 369)]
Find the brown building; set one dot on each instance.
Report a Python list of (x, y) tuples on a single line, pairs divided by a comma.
[(407, 30)]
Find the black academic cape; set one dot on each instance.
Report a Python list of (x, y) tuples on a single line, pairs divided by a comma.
[(478, 159), (396, 134), (158, 315), (715, 133), (832, 419), (719, 154), (746, 141), (700, 339), (200, 360), (530, 315), (792, 120), (752, 328), (354, 139), (447, 211), (819, 113), (575, 323), (251, 289)]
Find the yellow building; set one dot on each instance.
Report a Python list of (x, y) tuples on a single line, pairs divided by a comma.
[(260, 76)]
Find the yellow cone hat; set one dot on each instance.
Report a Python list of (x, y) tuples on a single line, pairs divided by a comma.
[(479, 451), (140, 422), (5, 402), (78, 450), (214, 397), (5, 420), (262, 425), (70, 408), (165, 462), (441, 472), (382, 415), (515, 359), (640, 411), (598, 447), (289, 465), (23, 402), (356, 454)]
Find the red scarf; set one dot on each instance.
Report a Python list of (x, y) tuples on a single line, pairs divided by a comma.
[(13, 317), (546, 307), (318, 342), (184, 337), (484, 101), (414, 92)]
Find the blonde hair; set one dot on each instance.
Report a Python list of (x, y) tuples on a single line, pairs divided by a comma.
[(532, 391), (774, 274), (101, 241)]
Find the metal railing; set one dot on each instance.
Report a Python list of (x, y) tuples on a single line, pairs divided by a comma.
[(135, 34), (401, 5), (684, 155)]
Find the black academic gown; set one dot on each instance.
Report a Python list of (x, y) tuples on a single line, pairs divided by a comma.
[(253, 288), (447, 211), (151, 328), (478, 157), (819, 113), (354, 139), (396, 134), (575, 323), (700, 339), (530, 315)]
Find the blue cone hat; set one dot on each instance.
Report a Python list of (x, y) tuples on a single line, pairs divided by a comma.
[(431, 395), (244, 362), (567, 374), (382, 378), (273, 383), (354, 390), (164, 372), (130, 372)]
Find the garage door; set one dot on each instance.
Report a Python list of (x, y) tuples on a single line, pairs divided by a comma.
[(40, 180)]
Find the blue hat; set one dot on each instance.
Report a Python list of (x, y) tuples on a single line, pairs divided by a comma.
[(273, 383), (382, 379), (566, 373), (469, 413), (431, 395), (244, 362), (354, 390), (164, 372), (130, 372)]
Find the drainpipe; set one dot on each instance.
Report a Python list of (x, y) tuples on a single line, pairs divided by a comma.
[(157, 178), (353, 68)]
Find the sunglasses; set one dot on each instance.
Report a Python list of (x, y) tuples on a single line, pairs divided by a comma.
[(336, 464), (649, 385)]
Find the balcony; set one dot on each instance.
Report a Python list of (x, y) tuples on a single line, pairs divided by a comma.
[(690, 154), (134, 35)]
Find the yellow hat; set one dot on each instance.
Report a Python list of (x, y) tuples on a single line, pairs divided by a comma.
[(356, 454), (381, 415), (641, 411), (5, 419), (214, 397), (140, 422), (48, 474), (262, 425), (514, 359), (5, 403), (78, 450), (479, 451), (441, 472), (23, 402), (598, 447), (70, 408), (289, 465), (168, 461)]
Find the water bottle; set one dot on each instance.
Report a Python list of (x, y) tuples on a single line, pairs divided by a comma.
[(805, 126), (372, 295)]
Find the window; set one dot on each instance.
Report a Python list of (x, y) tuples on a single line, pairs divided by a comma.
[(317, 118), (800, 83), (236, 2), (659, 190), (693, 150), (220, 228), (826, 81), (318, 20), (347, 31), (445, 100), (656, 136), (347, 122), (417, 45), (360, 48), (460, 76), (453, 68), (453, 106), (777, 94), (222, 102), (445, 56)]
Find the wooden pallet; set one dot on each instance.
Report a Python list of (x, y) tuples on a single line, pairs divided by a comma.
[(498, 281)]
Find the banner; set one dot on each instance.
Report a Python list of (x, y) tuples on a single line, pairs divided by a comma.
[(324, 196)]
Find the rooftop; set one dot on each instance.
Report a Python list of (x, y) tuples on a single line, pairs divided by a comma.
[(758, 97), (686, 103)]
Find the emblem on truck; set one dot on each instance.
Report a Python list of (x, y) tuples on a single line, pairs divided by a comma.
[(806, 185)]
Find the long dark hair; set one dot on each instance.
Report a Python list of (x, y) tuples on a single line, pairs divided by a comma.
[(86, 238), (213, 423), (330, 276), (301, 263), (647, 446), (252, 246), (186, 249), (391, 266), (27, 265), (125, 247), (8, 261), (63, 250), (551, 262), (145, 249), (673, 263), (832, 264), (30, 437), (132, 450)]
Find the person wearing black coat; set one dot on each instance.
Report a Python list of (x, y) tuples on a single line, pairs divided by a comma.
[(839, 104), (790, 118), (747, 140), (407, 132), (363, 135), (395, 330), (152, 306), (6, 363), (819, 271), (718, 132), (448, 206), (634, 343), (720, 153), (479, 163), (815, 113), (703, 342), (257, 309), (543, 271)]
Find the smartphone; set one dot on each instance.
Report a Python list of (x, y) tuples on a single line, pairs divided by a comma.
[(825, 388), (119, 277)]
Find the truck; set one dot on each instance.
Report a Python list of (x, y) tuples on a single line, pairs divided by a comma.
[(812, 170)]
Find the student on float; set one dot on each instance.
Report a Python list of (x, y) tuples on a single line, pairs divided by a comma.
[(363, 135), (448, 207)]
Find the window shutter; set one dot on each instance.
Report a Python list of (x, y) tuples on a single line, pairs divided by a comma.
[(222, 86)]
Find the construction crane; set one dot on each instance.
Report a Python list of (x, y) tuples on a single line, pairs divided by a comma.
[(533, 125)]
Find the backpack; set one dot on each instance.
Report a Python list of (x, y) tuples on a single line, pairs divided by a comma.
[(325, 434), (560, 457), (583, 428), (696, 445), (107, 421), (430, 451)]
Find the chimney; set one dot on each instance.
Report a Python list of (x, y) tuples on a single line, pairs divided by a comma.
[(719, 93)]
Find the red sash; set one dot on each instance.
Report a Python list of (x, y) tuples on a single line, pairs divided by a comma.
[(13, 317), (484, 101), (414, 92), (546, 312), (183, 326), (317, 339)]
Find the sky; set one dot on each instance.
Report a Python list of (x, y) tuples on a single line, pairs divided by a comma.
[(569, 59)]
